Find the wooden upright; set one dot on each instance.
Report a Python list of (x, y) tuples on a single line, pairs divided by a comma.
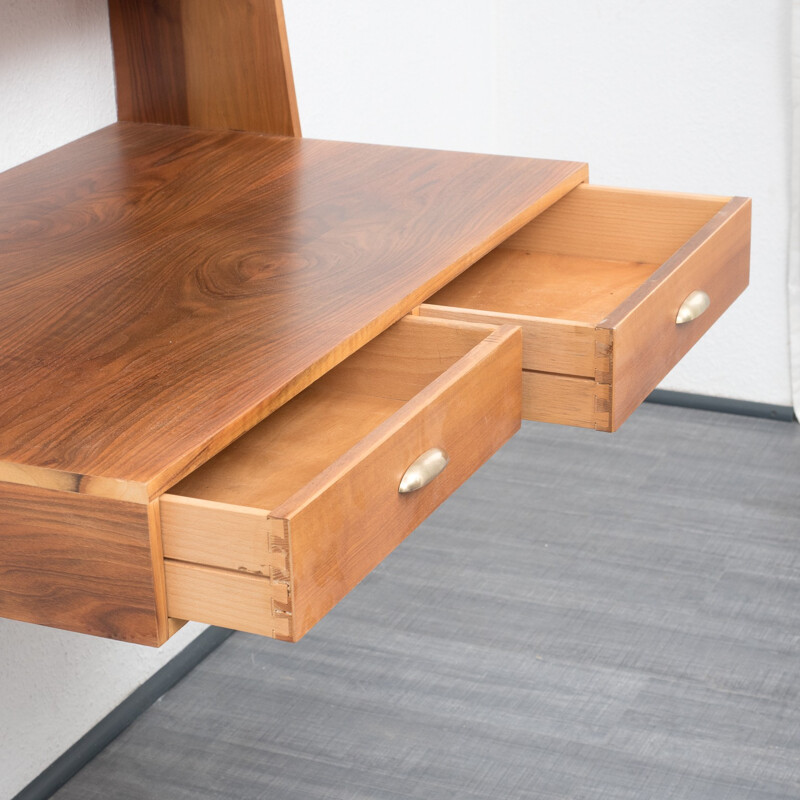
[(203, 63)]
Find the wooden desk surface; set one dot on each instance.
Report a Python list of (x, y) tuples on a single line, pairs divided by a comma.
[(162, 289)]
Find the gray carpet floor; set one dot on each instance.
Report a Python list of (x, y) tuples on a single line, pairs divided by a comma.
[(589, 616)]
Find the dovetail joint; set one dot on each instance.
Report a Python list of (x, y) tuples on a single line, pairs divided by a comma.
[(603, 372), (278, 544)]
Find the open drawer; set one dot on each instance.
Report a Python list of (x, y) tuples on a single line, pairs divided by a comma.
[(611, 288), (273, 531)]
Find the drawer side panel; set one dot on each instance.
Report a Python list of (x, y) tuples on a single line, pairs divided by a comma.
[(231, 599), (565, 400), (621, 224), (218, 534), (548, 345)]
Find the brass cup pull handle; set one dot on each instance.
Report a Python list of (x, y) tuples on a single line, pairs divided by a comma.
[(693, 306), (430, 464)]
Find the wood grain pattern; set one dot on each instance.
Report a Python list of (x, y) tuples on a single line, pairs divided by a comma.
[(163, 289), (406, 358), (335, 522), (72, 482), (81, 563), (166, 625), (149, 63), (221, 535), (229, 599), (585, 313), (568, 287), (565, 400), (646, 341), (549, 345), (204, 64), (557, 299), (296, 442), (349, 518), (621, 224), (285, 451)]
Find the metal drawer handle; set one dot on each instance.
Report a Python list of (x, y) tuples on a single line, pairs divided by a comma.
[(693, 306), (430, 464)]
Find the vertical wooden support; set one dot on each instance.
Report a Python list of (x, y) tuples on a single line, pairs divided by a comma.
[(207, 64)]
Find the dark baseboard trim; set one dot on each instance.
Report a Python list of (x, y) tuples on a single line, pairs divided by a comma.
[(111, 726), (743, 408)]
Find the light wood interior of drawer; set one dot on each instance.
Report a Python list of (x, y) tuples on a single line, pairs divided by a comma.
[(581, 258), (289, 448), (567, 287)]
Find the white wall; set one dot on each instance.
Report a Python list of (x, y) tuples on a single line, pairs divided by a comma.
[(683, 96), (56, 75), (56, 84), (794, 246), (56, 685), (420, 74)]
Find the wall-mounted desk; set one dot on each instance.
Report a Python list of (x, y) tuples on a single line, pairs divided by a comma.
[(210, 389)]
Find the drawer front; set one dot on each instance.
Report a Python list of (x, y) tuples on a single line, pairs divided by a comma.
[(647, 340), (277, 572), (596, 283)]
